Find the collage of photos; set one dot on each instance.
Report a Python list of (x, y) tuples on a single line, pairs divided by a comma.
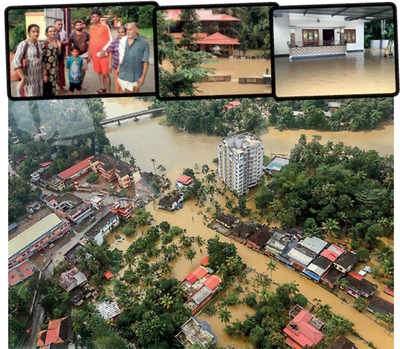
[(212, 176)]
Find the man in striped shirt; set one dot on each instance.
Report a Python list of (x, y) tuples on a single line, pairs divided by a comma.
[(114, 50)]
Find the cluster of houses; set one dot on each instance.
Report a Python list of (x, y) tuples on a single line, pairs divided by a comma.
[(108, 167), (313, 257), (200, 286)]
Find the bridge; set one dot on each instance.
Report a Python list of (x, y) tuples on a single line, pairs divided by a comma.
[(118, 119)]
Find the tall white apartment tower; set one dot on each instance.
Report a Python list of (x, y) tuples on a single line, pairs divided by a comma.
[(240, 161)]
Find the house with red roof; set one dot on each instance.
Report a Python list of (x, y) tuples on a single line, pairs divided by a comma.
[(76, 170), (216, 33), (303, 331), (199, 287), (58, 332), (183, 181)]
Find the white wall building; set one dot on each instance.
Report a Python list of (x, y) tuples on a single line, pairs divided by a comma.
[(240, 161)]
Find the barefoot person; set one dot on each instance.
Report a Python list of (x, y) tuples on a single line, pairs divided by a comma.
[(114, 50), (99, 40), (80, 39), (28, 63), (134, 60)]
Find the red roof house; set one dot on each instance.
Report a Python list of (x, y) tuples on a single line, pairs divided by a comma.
[(218, 39), (332, 252), (185, 180), (301, 333), (200, 272), (77, 170), (212, 282), (108, 275), (204, 261), (58, 331), (388, 291)]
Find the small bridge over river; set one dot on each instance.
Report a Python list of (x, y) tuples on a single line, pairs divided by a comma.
[(135, 116)]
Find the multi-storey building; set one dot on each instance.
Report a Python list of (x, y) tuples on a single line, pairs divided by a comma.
[(35, 238), (240, 161)]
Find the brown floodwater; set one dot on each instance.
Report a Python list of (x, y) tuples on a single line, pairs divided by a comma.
[(356, 73), (176, 150), (236, 68)]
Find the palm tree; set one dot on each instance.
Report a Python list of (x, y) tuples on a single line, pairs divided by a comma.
[(199, 240), (271, 266), (224, 315), (166, 301), (190, 254)]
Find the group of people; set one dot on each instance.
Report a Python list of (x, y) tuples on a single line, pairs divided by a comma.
[(40, 65)]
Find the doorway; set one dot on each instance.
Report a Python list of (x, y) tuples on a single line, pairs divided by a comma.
[(328, 37)]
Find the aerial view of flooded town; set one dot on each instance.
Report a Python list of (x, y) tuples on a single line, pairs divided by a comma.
[(217, 223)]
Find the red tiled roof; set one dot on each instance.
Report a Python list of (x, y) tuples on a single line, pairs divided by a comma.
[(26, 269), (108, 274), (44, 164), (191, 278), (184, 179), (203, 14), (76, 168), (355, 275), (13, 277), (388, 291), (305, 334), (204, 261), (200, 272), (331, 255), (218, 39), (53, 332), (212, 282), (178, 36)]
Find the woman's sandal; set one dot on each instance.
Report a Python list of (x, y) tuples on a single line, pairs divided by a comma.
[(101, 90)]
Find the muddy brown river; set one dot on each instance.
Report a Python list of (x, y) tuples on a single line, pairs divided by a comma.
[(148, 139)]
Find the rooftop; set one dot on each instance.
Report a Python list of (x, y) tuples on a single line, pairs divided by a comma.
[(194, 331), (108, 309), (276, 164), (380, 305), (360, 285), (301, 255), (319, 265), (241, 141), (346, 259), (32, 234), (69, 172), (332, 275), (343, 343), (260, 237), (332, 252), (111, 163), (301, 330), (218, 39), (72, 278), (20, 273), (314, 244), (186, 180)]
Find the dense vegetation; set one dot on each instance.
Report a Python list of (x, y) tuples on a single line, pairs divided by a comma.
[(334, 190), (186, 69), (253, 30), (211, 117), (353, 115)]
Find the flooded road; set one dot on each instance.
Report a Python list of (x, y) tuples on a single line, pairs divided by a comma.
[(148, 139), (356, 73)]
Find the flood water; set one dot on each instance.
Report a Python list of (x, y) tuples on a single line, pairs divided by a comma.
[(236, 68), (175, 150), (357, 73)]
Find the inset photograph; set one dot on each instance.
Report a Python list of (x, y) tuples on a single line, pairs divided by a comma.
[(334, 51), (75, 51), (214, 51)]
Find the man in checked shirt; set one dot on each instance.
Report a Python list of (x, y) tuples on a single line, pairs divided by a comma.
[(114, 50)]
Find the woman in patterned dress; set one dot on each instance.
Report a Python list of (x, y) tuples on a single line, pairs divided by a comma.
[(31, 73), (51, 50)]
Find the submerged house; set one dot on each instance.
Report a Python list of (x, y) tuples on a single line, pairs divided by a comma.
[(123, 207), (346, 261), (259, 239), (171, 201), (194, 331), (317, 268), (331, 277), (357, 286), (244, 229), (343, 343), (227, 220), (381, 306), (303, 331)]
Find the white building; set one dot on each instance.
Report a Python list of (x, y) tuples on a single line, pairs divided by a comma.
[(240, 161)]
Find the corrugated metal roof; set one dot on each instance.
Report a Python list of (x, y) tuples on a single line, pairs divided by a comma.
[(300, 257), (201, 295), (314, 244), (32, 234)]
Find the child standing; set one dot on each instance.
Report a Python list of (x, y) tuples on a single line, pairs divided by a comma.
[(75, 71)]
